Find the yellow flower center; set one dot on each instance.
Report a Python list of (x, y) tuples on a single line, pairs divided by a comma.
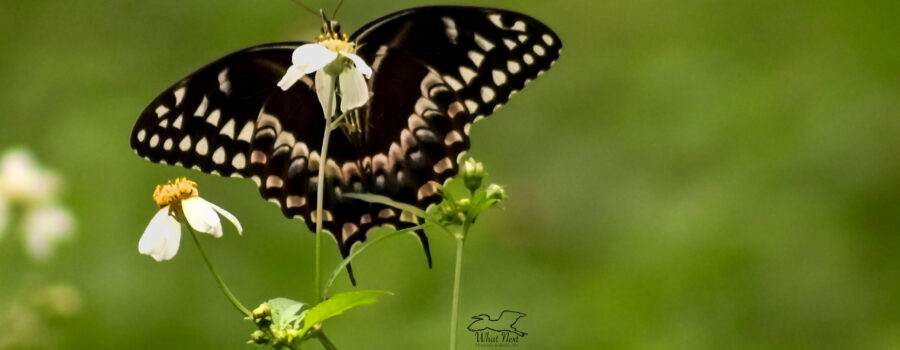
[(171, 194), (336, 43)]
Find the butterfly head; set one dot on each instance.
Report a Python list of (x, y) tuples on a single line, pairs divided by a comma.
[(332, 37)]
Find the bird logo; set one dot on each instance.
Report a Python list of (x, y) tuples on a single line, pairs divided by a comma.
[(504, 323)]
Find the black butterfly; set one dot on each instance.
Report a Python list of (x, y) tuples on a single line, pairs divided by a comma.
[(436, 70)]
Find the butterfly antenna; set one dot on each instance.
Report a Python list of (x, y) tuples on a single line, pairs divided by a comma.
[(298, 2), (334, 15)]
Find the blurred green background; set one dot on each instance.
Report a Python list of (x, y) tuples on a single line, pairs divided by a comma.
[(690, 175)]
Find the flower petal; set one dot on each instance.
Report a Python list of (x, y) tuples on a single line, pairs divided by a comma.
[(201, 216), (162, 237), (312, 57), (45, 227), (290, 77), (325, 91), (227, 215), (359, 63), (354, 90), (3, 216)]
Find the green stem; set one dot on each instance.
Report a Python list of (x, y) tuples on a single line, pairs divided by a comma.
[(454, 311), (340, 267), (320, 194), (237, 304), (377, 198), (325, 341)]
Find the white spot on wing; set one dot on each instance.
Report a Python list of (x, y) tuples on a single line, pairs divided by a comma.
[(177, 123), (472, 106), (499, 77), (239, 161), (141, 135), (167, 145), (228, 129), (455, 84), (483, 43), (219, 155), (539, 50), (202, 147), (213, 118), (523, 38), (547, 39), (185, 144), (513, 66), (224, 83), (201, 109), (179, 95), (528, 59), (511, 44), (476, 57), (487, 94), (154, 140), (519, 25), (450, 29), (495, 19), (161, 111), (246, 132), (467, 73)]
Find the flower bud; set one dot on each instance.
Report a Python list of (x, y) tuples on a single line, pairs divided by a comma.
[(259, 337), (495, 192), (473, 173), (262, 311)]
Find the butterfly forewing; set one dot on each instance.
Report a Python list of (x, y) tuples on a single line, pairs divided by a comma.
[(486, 55), (206, 120)]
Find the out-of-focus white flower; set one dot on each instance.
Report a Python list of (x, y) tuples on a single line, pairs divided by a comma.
[(180, 203), (338, 70), (45, 227), (22, 180), (25, 184), (4, 216)]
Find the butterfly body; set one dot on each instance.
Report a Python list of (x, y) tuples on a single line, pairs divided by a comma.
[(435, 71)]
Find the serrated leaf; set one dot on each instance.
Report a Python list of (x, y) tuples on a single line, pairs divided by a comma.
[(338, 304), (284, 310)]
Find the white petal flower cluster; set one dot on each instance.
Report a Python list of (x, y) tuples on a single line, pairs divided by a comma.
[(26, 186), (339, 72), (180, 203)]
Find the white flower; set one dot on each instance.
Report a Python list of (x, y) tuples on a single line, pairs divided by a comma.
[(45, 228), (338, 71), (179, 202), (4, 216), (22, 180)]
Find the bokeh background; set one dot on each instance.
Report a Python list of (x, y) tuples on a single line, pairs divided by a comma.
[(690, 175)]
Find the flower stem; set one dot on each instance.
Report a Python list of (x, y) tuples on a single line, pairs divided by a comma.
[(237, 304), (454, 311), (320, 194), (325, 341)]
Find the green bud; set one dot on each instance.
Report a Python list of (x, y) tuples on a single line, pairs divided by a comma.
[(496, 192), (262, 311), (473, 173), (259, 337)]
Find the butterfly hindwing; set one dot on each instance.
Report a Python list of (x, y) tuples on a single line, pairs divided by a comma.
[(486, 55), (205, 120), (407, 145)]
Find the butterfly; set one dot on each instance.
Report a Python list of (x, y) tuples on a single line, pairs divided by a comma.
[(435, 71)]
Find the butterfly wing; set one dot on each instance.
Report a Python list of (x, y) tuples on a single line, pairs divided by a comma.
[(410, 135), (205, 121), (486, 55)]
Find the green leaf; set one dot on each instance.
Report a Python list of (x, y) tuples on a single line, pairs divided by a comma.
[(338, 304), (284, 311)]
